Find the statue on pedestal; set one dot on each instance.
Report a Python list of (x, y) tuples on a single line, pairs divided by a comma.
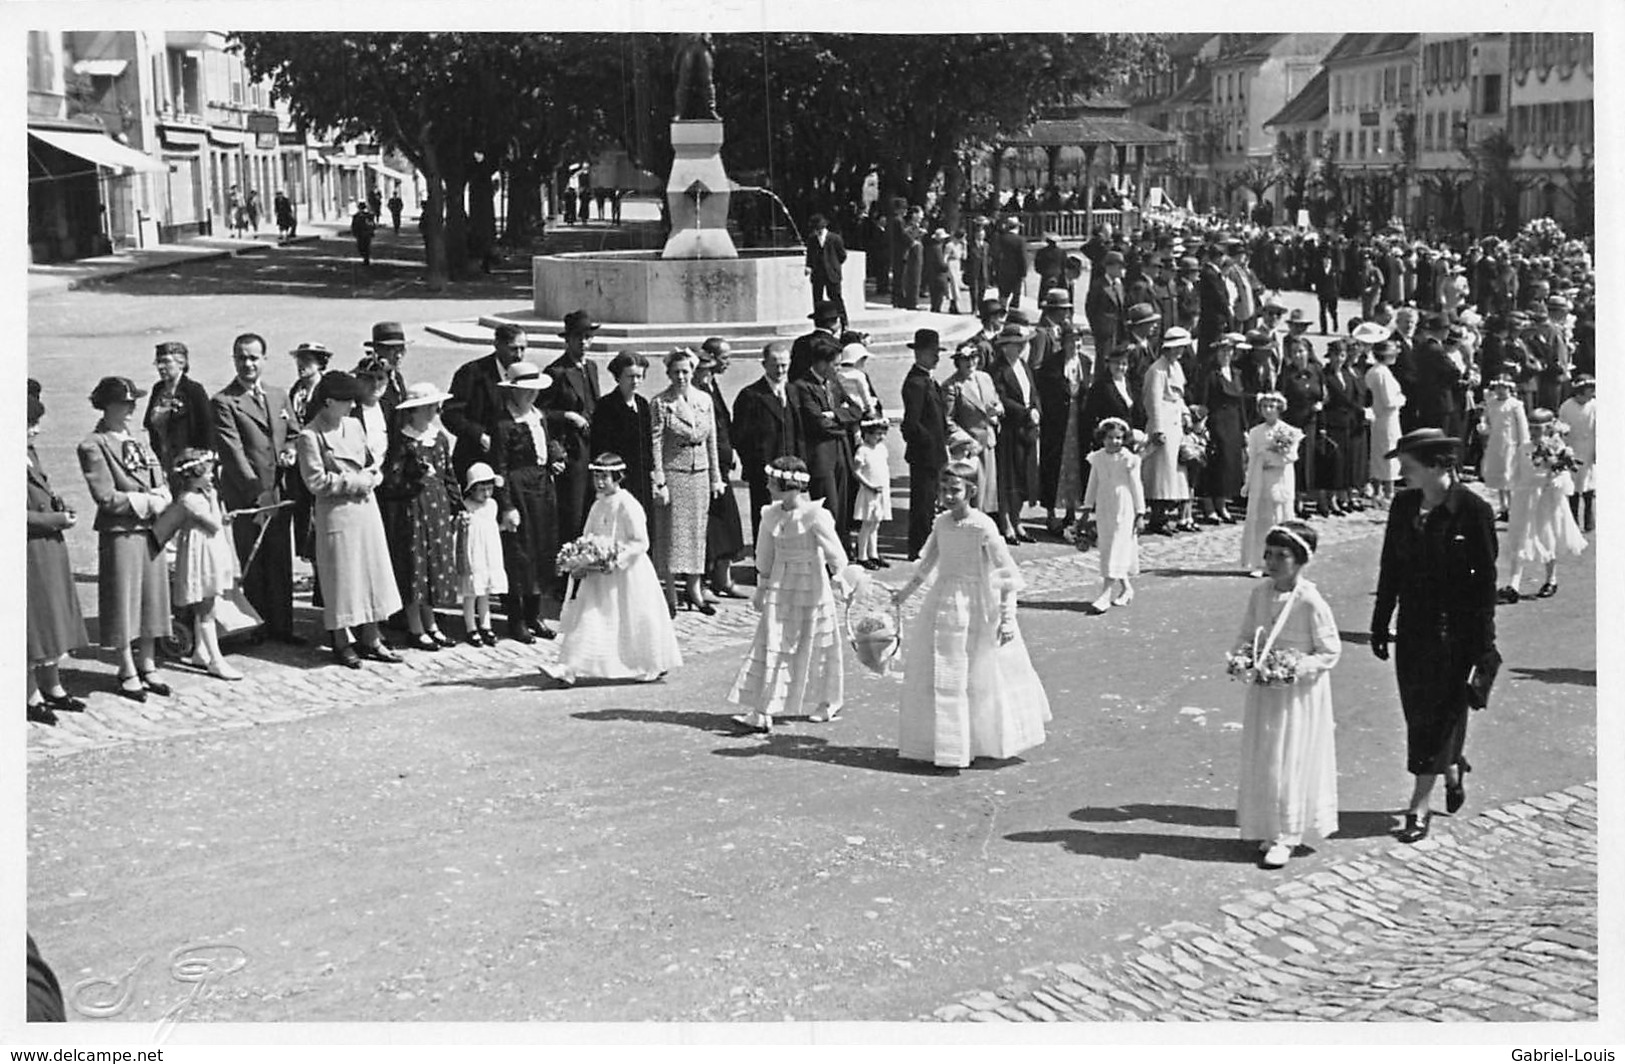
[(696, 91)]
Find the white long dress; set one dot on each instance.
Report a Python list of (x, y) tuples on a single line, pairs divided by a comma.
[(1581, 418), (795, 658), (1540, 527), (1506, 428), (1163, 396), (1288, 781), (1269, 490), (481, 566), (615, 624), (1116, 495), (1386, 399), (964, 695)]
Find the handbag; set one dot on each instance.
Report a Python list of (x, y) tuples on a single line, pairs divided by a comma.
[(1481, 678)]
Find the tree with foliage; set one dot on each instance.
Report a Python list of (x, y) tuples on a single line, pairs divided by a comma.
[(1502, 186), (1257, 178), (1296, 166)]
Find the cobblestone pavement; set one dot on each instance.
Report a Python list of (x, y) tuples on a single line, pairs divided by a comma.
[(1491, 919), (282, 685)]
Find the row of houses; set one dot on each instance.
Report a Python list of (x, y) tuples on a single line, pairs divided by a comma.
[(1460, 128), (139, 138)]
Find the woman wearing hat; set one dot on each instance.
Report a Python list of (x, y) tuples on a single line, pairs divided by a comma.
[(528, 459), (55, 626), (417, 498), (178, 416), (1387, 398), (352, 553), (1438, 570), (974, 412), (1220, 388), (132, 574), (1343, 465), (1018, 429), (687, 473), (1166, 486), (1304, 386)]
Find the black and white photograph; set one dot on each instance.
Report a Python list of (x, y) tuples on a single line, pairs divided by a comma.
[(715, 524)]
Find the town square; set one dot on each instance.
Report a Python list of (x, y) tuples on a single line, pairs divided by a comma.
[(633, 554)]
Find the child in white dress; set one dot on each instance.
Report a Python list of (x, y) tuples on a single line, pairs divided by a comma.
[(481, 571), (1116, 498), (1288, 779), (205, 560), (1272, 456), (873, 505), (1541, 527), (1579, 413), (795, 658), (616, 625), (1505, 429), (969, 689)]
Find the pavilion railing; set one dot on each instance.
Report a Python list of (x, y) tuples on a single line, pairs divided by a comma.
[(1074, 225)]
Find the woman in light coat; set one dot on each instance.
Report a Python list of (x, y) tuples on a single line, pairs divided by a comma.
[(1163, 398), (974, 412), (1386, 400), (687, 473)]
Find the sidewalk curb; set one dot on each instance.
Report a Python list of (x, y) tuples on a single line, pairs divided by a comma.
[(201, 255)]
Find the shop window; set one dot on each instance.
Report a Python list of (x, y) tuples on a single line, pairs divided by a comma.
[(1492, 94)]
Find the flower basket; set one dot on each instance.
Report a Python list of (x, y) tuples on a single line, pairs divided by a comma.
[(875, 635)]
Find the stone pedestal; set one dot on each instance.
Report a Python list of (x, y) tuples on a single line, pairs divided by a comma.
[(697, 193)]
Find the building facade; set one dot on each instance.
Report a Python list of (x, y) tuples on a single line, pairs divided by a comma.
[(1549, 121), (1371, 121)]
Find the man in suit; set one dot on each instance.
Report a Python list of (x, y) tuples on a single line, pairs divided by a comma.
[(1050, 262), (1548, 343), (476, 400), (1103, 306), (826, 317), (925, 437), (1218, 307), (389, 344), (825, 415), (1187, 295), (992, 314), (569, 406), (251, 429), (765, 427), (724, 543), (825, 254), (1433, 387), (1008, 252), (1261, 372), (1018, 430)]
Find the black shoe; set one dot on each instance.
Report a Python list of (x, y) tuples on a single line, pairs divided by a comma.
[(157, 687), (287, 639), (347, 657), (1547, 590), (378, 652), (520, 633), (880, 563), (441, 639), (488, 637), (1507, 595), (1416, 827), (542, 630), (706, 608), (475, 639), (1455, 794), (40, 713), (1503, 517), (64, 702), (423, 641)]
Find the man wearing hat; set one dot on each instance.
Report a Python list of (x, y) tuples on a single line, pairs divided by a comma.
[(1104, 305), (569, 406), (1061, 370), (1239, 279), (1261, 371), (389, 344), (1008, 253), (992, 313), (1433, 385), (256, 448), (1018, 430), (1326, 280), (476, 403), (1548, 344), (925, 437), (1162, 293), (1138, 333), (826, 318), (1187, 295), (1218, 314), (1579, 413), (826, 415), (1297, 336), (1050, 263), (826, 252), (765, 428)]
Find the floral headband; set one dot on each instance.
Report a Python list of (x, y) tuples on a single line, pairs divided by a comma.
[(618, 465), (792, 477), (1308, 551)]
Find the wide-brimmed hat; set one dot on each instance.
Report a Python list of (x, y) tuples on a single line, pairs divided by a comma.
[(423, 393), (480, 473), (1230, 339), (1274, 306), (990, 305), (579, 323), (526, 375), (1558, 303), (114, 390), (1142, 314), (1017, 316), (852, 354), (939, 233), (1297, 317), (314, 351), (1369, 332), (1013, 334), (1176, 337), (1423, 441), (386, 332), (1010, 223), (1259, 338), (924, 340), (1057, 299)]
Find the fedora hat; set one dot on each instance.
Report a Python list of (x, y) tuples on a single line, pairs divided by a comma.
[(579, 323), (480, 473), (1017, 316), (1423, 441), (1297, 317), (1230, 339), (1142, 314), (924, 340), (990, 305), (526, 375), (386, 332), (1010, 224), (825, 310), (1013, 334), (114, 390), (315, 351), (1176, 337), (1274, 306), (422, 394), (1057, 299)]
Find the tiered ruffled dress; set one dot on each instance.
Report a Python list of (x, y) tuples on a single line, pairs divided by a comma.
[(1288, 777), (795, 659), (1269, 489), (1540, 527), (616, 625), (964, 695)]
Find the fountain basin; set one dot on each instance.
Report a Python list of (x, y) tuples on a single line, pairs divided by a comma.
[(640, 287)]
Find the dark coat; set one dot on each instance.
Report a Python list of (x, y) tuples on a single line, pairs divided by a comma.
[(628, 432), (191, 424), (575, 389), (1008, 252), (1102, 401), (925, 420), (764, 428), (825, 262), (1218, 316), (1050, 262), (825, 441), (248, 439), (1445, 568), (472, 411), (1103, 305), (801, 352), (1433, 391)]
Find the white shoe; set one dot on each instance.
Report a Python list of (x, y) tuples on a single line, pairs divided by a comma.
[(1277, 855), (222, 671), (567, 677), (1124, 599), (754, 722), (825, 713), (1102, 604)]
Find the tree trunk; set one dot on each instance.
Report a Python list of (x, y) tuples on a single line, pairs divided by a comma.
[(482, 218), (953, 191), (434, 226), (524, 201), (456, 178)]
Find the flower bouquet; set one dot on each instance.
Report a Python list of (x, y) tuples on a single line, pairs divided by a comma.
[(1193, 446), (1553, 456), (1277, 668), (1283, 439), (589, 554)]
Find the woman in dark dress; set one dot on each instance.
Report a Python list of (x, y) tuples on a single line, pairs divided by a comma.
[(1221, 389), (1438, 569), (1305, 389), (1344, 463), (179, 416), (55, 625), (621, 425), (527, 502), (1110, 395), (418, 496)]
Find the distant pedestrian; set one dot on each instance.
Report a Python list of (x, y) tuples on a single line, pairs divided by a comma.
[(568, 198), (251, 204), (286, 222), (362, 227), (615, 198), (375, 204), (395, 207), (826, 253)]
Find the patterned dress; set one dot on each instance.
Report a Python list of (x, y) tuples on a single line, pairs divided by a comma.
[(417, 498), (684, 433)]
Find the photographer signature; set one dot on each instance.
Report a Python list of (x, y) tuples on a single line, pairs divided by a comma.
[(202, 966)]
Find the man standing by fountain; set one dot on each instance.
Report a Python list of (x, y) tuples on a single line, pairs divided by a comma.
[(825, 254), (570, 404), (764, 426)]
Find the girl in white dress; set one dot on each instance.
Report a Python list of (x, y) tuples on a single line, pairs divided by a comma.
[(969, 689), (1386, 400), (873, 505), (205, 561), (481, 569), (1272, 455), (1288, 781), (1505, 429), (616, 625), (1541, 527), (1579, 413), (795, 658), (1116, 497)]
